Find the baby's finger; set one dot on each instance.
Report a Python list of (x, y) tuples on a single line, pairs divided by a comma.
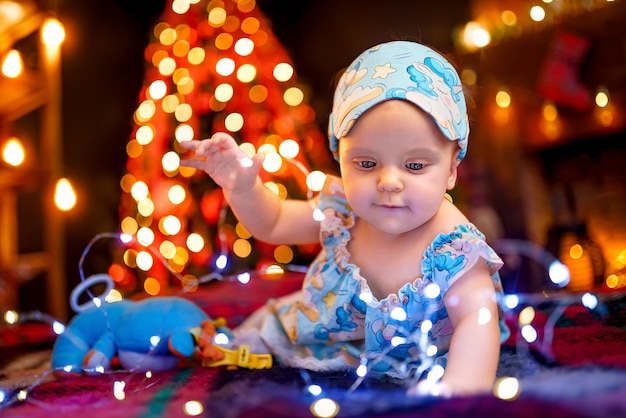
[(199, 164), (189, 145)]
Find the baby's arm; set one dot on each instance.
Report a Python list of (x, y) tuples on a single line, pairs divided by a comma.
[(475, 346), (263, 214)]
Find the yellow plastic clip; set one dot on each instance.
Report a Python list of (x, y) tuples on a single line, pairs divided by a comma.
[(241, 358)]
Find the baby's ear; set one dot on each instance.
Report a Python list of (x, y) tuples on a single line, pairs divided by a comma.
[(182, 344), (454, 165)]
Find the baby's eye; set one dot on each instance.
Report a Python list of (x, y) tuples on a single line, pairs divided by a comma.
[(366, 164), (415, 166)]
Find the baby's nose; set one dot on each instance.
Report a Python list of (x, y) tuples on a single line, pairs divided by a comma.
[(389, 180)]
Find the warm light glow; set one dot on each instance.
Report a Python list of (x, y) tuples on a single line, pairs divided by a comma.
[(549, 112), (167, 250), (195, 242), (167, 36), (193, 408), (475, 35), (183, 112), (139, 190), (196, 56), (157, 90), (52, 33), (217, 17), (508, 18), (145, 135), (283, 254), (64, 195), (144, 260), (11, 317), (537, 13), (242, 248), (246, 73), (468, 77), (224, 92), (576, 251), (12, 66), (315, 180), (11, 11), (241, 231), (526, 316), (602, 99), (224, 41), (234, 122), (170, 161), (507, 388), (152, 286), (244, 47), (225, 67), (293, 96), (180, 6), (145, 236), (612, 281), (171, 225), (289, 148), (145, 207), (145, 111), (13, 152), (324, 408), (258, 93), (129, 226), (184, 132), (170, 103), (283, 71), (250, 25), (503, 99), (176, 194), (273, 161), (167, 66)]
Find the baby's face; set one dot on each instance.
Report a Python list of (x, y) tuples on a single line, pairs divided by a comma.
[(396, 166)]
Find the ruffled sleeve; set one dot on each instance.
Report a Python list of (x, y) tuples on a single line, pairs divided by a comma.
[(451, 255)]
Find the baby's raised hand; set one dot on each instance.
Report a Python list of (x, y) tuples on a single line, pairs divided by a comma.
[(222, 159)]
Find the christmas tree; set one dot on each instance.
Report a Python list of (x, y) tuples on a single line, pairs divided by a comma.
[(211, 66)]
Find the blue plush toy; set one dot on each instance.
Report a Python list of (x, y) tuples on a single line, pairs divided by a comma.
[(152, 334)]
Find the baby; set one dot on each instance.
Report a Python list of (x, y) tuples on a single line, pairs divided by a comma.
[(404, 283)]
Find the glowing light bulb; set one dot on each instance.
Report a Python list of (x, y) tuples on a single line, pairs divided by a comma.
[(11, 317), (289, 148), (324, 408), (602, 99), (503, 99), (293, 96), (64, 195), (225, 67), (315, 180), (529, 333), (537, 13), (193, 408), (12, 65), (283, 72), (13, 152), (398, 314), (244, 46), (234, 122), (474, 35), (507, 388), (52, 33), (221, 262)]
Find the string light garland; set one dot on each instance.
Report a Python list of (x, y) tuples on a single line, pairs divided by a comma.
[(521, 309)]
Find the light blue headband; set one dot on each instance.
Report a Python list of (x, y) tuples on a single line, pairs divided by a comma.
[(400, 70)]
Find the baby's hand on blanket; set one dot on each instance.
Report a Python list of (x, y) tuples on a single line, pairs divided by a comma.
[(222, 159)]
